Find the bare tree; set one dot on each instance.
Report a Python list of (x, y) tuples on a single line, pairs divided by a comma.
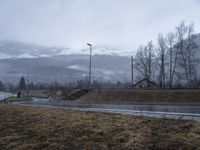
[(191, 48), (180, 48), (144, 61), (161, 50), (181, 33), (173, 55), (186, 48)]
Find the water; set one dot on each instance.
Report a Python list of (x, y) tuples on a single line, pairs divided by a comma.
[(4, 95)]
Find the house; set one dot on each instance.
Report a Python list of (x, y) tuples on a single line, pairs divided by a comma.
[(22, 94), (145, 83), (59, 94)]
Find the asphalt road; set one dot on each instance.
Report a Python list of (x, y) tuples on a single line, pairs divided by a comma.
[(188, 112)]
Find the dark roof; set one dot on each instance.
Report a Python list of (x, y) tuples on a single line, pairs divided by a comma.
[(149, 82)]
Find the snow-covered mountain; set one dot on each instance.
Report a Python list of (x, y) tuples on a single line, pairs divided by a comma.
[(23, 50), (47, 64), (10, 49)]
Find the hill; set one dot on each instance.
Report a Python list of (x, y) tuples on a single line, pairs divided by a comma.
[(134, 96), (66, 68)]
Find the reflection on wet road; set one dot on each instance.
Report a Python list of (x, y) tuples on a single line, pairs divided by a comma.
[(169, 111)]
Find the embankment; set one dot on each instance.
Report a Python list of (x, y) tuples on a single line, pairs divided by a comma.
[(141, 96)]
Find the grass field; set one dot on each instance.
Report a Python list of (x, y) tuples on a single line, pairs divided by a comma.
[(141, 96), (24, 128), (15, 99)]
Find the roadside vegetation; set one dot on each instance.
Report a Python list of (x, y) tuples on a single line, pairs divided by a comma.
[(25, 128), (131, 96), (15, 99)]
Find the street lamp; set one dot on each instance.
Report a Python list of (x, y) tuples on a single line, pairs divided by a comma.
[(89, 81), (132, 70)]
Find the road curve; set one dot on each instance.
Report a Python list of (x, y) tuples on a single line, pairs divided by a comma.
[(186, 112)]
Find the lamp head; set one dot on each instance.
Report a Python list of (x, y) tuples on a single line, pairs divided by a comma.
[(89, 44)]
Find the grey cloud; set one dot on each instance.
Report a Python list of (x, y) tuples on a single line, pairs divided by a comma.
[(121, 24)]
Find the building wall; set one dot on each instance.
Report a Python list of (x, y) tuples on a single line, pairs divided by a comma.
[(143, 84)]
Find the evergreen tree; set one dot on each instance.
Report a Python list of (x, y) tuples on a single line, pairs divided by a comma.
[(2, 88), (22, 84)]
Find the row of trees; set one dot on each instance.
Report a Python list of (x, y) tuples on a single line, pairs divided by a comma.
[(11, 87), (22, 85), (2, 86), (172, 60)]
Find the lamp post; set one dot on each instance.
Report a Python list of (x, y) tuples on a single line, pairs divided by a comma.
[(132, 70), (90, 64), (27, 84)]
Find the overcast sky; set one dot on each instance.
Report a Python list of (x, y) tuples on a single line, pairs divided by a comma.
[(123, 24)]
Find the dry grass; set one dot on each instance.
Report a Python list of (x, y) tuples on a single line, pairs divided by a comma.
[(39, 93), (142, 96), (24, 128)]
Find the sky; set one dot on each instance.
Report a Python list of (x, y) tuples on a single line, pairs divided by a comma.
[(118, 24)]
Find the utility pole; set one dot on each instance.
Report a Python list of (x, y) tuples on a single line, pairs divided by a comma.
[(132, 70), (27, 84), (90, 65)]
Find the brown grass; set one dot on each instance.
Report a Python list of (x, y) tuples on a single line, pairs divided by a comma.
[(142, 96), (24, 128)]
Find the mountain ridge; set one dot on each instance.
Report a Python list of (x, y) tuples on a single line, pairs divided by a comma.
[(13, 49)]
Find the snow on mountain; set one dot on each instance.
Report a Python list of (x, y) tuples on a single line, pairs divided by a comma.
[(4, 56), (78, 67), (25, 55), (107, 51), (96, 50), (23, 50)]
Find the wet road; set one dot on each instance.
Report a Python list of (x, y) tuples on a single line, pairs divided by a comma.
[(191, 112), (4, 95)]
